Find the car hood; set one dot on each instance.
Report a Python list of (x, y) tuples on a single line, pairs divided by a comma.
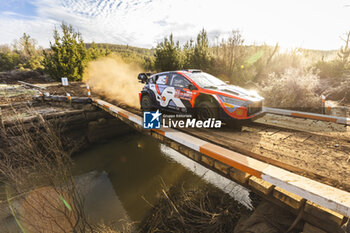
[(239, 92)]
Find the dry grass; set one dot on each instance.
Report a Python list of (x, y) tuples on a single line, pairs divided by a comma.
[(41, 193), (293, 89), (200, 210), (340, 91), (126, 228), (36, 172)]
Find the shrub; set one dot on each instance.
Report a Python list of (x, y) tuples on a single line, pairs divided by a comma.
[(329, 69), (294, 89), (339, 91), (8, 61)]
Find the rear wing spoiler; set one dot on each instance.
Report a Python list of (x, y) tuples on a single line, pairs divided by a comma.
[(143, 77)]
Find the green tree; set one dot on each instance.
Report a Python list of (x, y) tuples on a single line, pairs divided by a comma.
[(95, 51), (148, 63), (8, 60), (168, 55), (201, 56), (25, 47), (68, 56), (30, 56), (188, 54)]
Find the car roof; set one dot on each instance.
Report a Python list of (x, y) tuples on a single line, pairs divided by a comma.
[(180, 71)]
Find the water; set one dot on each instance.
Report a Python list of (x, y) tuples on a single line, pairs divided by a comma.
[(123, 178)]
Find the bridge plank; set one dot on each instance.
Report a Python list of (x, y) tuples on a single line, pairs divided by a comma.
[(288, 198), (239, 176), (260, 185)]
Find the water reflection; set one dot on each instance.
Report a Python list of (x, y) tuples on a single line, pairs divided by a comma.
[(119, 176)]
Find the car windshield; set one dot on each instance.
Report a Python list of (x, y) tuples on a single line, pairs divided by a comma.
[(205, 80)]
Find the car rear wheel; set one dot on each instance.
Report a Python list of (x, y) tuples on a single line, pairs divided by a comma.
[(206, 110), (146, 103)]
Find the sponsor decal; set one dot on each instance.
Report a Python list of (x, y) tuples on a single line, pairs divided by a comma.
[(187, 95)]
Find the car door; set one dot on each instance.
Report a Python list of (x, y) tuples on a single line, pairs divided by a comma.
[(162, 91), (182, 95)]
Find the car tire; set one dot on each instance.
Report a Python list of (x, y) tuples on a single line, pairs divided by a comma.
[(206, 110), (146, 103)]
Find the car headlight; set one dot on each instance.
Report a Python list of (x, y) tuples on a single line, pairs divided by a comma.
[(234, 101)]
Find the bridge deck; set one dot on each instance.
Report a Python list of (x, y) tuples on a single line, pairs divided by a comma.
[(267, 176), (315, 149), (289, 161)]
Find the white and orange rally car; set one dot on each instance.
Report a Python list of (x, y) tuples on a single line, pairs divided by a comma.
[(200, 94)]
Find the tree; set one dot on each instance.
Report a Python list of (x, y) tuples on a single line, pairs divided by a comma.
[(30, 56), (168, 55), (188, 53), (95, 51), (68, 55), (230, 58), (25, 47), (338, 67), (201, 57), (148, 63), (235, 51), (262, 62), (8, 61), (344, 53), (197, 55)]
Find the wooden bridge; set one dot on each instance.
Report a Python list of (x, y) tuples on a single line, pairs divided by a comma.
[(319, 199)]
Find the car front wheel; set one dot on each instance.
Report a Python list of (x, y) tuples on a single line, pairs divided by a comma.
[(206, 110), (146, 103)]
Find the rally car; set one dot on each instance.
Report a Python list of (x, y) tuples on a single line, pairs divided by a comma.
[(200, 94)]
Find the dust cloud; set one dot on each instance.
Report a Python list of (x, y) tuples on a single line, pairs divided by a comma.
[(115, 79)]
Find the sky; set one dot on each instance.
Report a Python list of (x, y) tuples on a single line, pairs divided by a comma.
[(313, 24)]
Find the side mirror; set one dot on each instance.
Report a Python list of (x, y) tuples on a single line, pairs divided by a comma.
[(142, 78), (191, 87)]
